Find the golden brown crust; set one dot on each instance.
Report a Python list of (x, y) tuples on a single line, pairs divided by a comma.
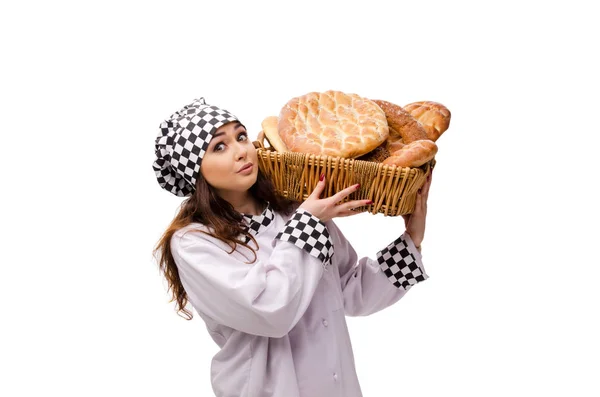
[(332, 123), (269, 127), (376, 155), (434, 116), (394, 142), (404, 128), (414, 154)]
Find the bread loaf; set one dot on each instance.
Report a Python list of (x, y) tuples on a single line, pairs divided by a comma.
[(270, 128), (401, 122), (434, 116), (376, 155), (332, 123), (413, 154)]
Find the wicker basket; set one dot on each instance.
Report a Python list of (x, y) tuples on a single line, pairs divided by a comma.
[(295, 175)]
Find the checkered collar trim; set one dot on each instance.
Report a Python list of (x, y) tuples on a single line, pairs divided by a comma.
[(256, 223)]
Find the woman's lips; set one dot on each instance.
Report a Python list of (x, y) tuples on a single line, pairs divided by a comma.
[(247, 169)]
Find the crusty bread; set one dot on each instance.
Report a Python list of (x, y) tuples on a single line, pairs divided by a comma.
[(394, 142), (413, 154), (404, 128), (434, 116), (269, 127), (376, 155), (332, 123)]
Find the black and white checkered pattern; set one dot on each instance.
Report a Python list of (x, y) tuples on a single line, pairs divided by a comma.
[(399, 265), (310, 234), (182, 143), (256, 223)]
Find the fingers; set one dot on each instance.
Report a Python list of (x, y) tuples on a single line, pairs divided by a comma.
[(427, 184), (318, 190), (349, 212), (350, 205), (424, 190), (342, 194), (419, 203), (347, 209)]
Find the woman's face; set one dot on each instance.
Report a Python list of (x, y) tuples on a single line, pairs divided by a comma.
[(229, 152)]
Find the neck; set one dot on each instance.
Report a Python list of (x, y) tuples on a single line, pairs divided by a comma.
[(244, 203)]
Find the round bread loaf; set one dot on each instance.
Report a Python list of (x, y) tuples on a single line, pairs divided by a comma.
[(413, 154), (434, 116), (332, 123), (404, 128)]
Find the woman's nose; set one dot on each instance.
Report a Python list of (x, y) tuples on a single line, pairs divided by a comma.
[(242, 151)]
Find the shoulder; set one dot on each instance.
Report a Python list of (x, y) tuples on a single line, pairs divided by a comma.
[(192, 235)]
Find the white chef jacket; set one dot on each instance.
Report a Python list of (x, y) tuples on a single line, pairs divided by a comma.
[(280, 321)]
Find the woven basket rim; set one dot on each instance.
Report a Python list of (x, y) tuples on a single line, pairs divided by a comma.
[(259, 145), (393, 189)]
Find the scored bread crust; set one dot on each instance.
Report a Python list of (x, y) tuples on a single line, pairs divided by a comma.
[(332, 123), (270, 128), (404, 128), (413, 154), (434, 116)]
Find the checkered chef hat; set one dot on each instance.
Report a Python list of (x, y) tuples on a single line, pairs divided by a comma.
[(182, 143)]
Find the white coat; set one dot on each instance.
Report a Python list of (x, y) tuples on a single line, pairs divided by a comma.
[(280, 321)]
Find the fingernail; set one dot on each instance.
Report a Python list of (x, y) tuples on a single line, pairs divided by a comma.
[(357, 185), (419, 191), (370, 202), (322, 177)]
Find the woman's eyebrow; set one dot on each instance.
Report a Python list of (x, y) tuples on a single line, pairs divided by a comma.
[(238, 125)]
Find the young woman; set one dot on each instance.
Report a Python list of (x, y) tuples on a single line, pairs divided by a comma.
[(272, 279)]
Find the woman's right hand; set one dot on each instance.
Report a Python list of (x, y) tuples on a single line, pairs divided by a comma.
[(327, 208)]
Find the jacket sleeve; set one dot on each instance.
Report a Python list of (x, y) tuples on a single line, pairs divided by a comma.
[(370, 285), (261, 298)]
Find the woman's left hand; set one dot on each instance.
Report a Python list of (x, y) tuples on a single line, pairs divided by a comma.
[(415, 222)]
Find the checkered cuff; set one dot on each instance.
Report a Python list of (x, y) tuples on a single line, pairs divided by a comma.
[(401, 266), (308, 233)]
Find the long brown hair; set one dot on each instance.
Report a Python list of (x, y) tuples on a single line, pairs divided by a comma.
[(225, 223)]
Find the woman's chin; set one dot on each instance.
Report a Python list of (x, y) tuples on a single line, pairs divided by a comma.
[(248, 180)]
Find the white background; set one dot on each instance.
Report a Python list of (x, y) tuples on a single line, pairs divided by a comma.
[(511, 306)]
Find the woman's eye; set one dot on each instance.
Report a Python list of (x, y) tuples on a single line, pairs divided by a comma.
[(219, 147)]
